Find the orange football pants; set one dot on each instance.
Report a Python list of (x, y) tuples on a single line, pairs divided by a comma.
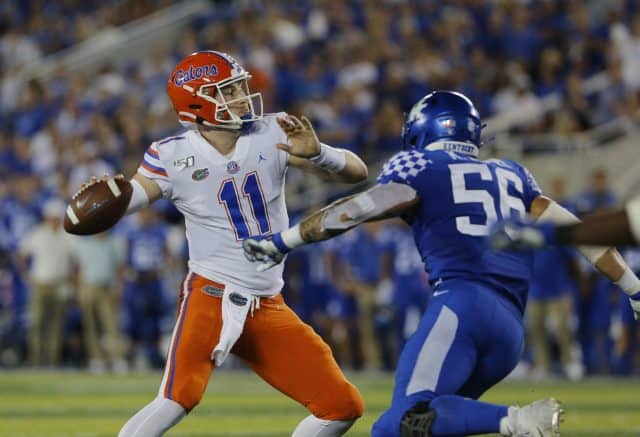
[(275, 343)]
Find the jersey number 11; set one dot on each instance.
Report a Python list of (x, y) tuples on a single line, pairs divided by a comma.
[(252, 191)]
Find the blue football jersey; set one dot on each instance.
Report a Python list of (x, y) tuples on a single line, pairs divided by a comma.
[(460, 198), (147, 248)]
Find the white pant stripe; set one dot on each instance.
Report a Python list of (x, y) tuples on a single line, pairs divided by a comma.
[(167, 367), (435, 348)]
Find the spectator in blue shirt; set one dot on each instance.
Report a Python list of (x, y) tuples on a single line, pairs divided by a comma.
[(144, 294)]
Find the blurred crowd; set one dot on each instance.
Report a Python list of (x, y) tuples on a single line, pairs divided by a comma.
[(353, 70)]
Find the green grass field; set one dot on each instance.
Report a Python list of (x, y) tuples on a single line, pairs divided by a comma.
[(239, 404)]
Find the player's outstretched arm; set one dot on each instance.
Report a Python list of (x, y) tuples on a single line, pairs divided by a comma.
[(606, 259), (605, 228), (618, 227), (308, 153), (377, 203)]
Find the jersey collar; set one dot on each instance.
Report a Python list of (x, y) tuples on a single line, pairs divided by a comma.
[(454, 146), (211, 153)]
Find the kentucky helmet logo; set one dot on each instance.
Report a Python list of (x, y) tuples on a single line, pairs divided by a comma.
[(417, 114)]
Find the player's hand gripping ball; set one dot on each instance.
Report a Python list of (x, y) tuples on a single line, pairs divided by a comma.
[(98, 205)]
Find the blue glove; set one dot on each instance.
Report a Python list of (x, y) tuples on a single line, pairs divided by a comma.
[(267, 252), (521, 235)]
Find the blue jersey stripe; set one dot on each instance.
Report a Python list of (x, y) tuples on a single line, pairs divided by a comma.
[(154, 154), (166, 140), (154, 167)]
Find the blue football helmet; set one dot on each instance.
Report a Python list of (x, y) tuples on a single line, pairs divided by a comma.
[(440, 116)]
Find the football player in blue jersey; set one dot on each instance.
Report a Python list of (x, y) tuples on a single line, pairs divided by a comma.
[(471, 334)]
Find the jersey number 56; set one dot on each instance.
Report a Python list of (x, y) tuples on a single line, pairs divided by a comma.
[(488, 199)]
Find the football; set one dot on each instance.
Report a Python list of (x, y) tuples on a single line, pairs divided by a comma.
[(98, 207)]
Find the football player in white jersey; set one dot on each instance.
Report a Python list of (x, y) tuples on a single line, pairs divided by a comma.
[(226, 175)]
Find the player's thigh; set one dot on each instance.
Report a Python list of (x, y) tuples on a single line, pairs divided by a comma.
[(502, 347), (196, 332), (290, 356), (439, 357)]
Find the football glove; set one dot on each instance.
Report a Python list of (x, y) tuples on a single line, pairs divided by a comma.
[(521, 235), (267, 252)]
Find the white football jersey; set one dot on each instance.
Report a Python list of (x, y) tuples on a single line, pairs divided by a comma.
[(225, 200)]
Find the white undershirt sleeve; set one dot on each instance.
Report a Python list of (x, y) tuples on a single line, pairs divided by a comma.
[(633, 215), (560, 215), (139, 198)]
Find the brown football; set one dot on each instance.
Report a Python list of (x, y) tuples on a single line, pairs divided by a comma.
[(98, 207)]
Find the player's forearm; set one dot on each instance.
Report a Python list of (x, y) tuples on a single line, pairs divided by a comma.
[(609, 228), (607, 260), (613, 267), (378, 202), (339, 165), (550, 211), (355, 170), (312, 229), (151, 189), (145, 192)]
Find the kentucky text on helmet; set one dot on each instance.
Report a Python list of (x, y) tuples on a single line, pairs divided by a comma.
[(459, 147), (192, 73)]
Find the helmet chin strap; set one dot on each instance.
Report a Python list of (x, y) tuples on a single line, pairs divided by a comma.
[(194, 125), (244, 128), (243, 124), (247, 126)]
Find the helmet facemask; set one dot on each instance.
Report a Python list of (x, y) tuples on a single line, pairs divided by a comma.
[(223, 95)]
